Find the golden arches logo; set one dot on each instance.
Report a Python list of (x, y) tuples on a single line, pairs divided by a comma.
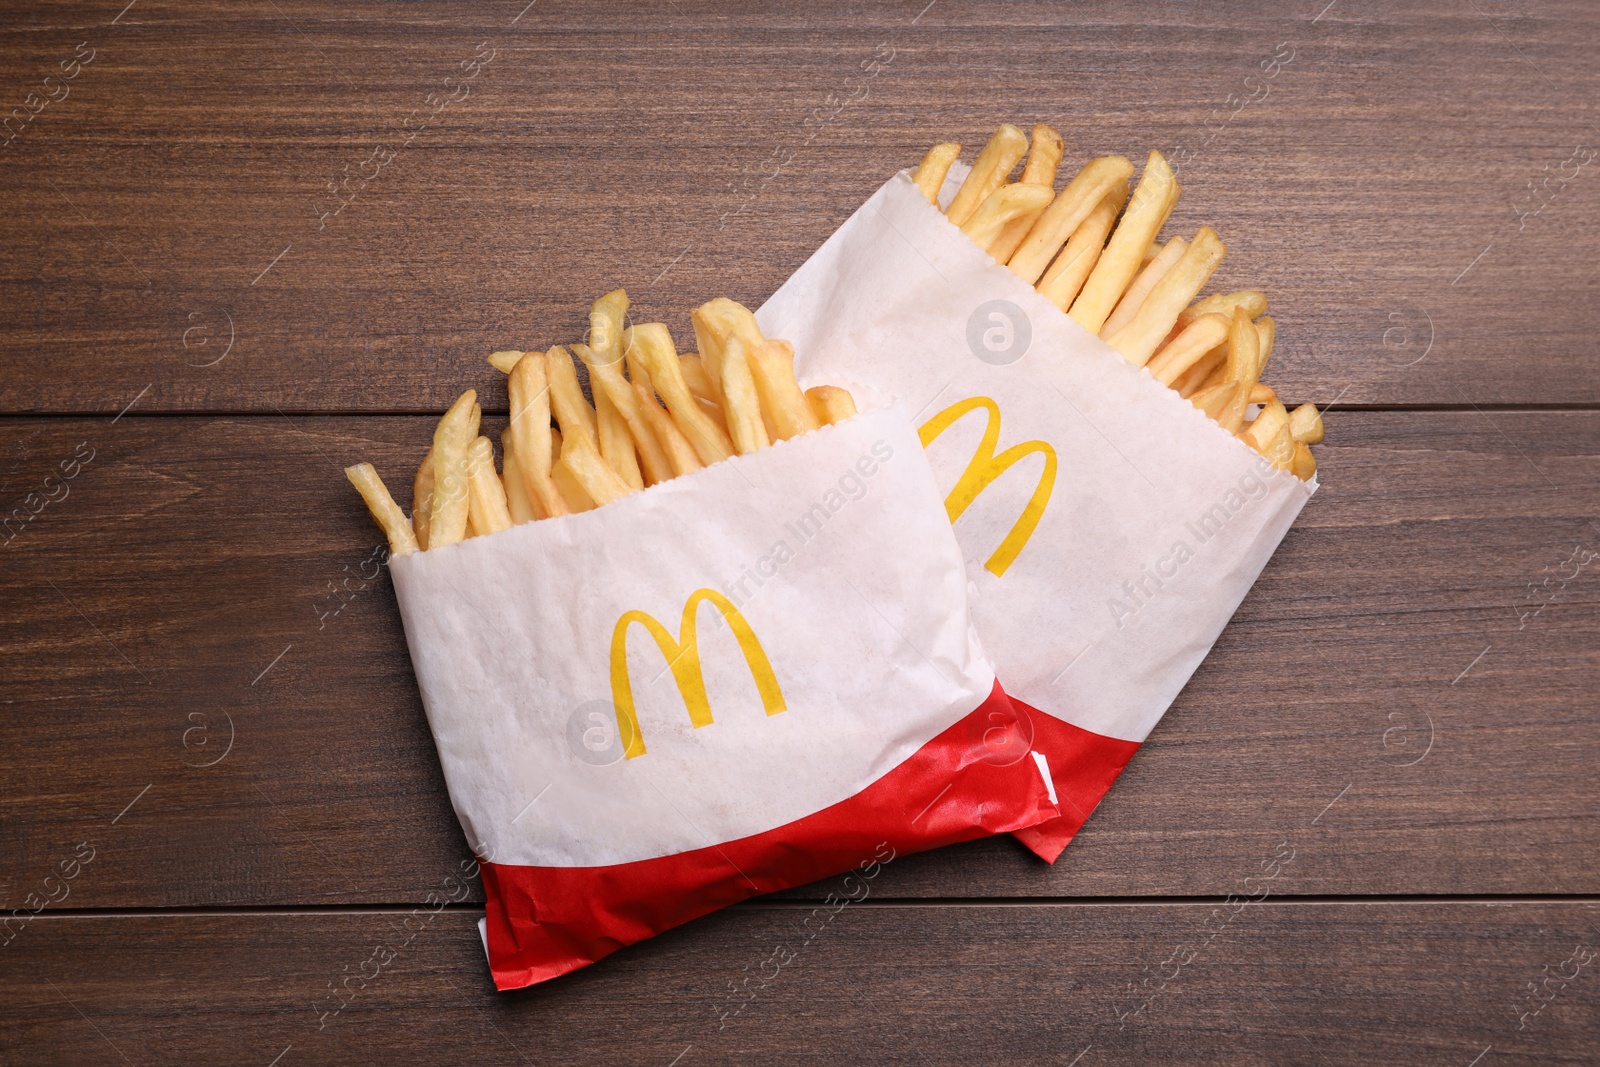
[(985, 467), (683, 659)]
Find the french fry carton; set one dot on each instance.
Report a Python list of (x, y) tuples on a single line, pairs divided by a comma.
[(1110, 529), (744, 679)]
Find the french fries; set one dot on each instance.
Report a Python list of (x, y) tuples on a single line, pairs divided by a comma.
[(1093, 250), (655, 416)]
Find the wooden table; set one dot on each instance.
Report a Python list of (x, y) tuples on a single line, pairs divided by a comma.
[(220, 737)]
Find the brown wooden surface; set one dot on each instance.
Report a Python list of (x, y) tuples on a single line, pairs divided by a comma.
[(1385, 703)]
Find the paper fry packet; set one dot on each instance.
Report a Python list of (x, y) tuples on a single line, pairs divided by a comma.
[(740, 680), (1110, 528)]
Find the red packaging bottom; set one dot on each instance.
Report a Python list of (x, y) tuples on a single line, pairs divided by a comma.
[(542, 922), (1083, 764)]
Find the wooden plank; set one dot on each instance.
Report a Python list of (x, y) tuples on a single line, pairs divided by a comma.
[(163, 210), (1272, 983), (1378, 698)]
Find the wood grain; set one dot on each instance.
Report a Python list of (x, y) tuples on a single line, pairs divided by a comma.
[(1273, 983), (165, 207), (1381, 661)]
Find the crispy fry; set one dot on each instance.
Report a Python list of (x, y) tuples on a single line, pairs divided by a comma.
[(930, 173), (1303, 464), (504, 361), (1244, 354), (1305, 424), (571, 490), (529, 390), (1138, 340), (1143, 282), (989, 171), (606, 379), (675, 447), (1262, 394), (651, 345), (580, 451), (607, 320), (1044, 159), (1260, 432), (743, 409), (1200, 375), (1267, 329), (772, 366), (694, 376), (1253, 302), (422, 500), (567, 402), (395, 527), (1188, 348), (447, 516), (611, 428), (714, 322), (486, 497), (1148, 210), (518, 502), (1214, 399), (830, 403), (1066, 214), (1005, 205), (1062, 282)]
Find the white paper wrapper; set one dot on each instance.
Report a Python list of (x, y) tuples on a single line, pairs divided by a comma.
[(834, 645), (1158, 520)]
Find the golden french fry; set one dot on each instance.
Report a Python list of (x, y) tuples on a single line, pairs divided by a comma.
[(1244, 353), (651, 345), (1188, 348), (1044, 155), (422, 500), (930, 173), (1262, 394), (1303, 464), (1253, 302), (1143, 282), (989, 171), (572, 490), (607, 320), (1267, 328), (1214, 399), (1066, 214), (1139, 340), (714, 322), (447, 515), (504, 361), (567, 402), (675, 447), (830, 403), (518, 502), (772, 367), (694, 376), (1147, 211), (1062, 282), (1279, 450), (529, 390), (580, 450), (1305, 424), (1004, 206), (486, 497), (1265, 426), (1202, 373), (743, 405), (605, 379), (611, 428), (395, 527), (1044, 159)]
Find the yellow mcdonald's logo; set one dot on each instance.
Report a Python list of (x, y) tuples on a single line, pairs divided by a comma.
[(683, 658), (985, 467)]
